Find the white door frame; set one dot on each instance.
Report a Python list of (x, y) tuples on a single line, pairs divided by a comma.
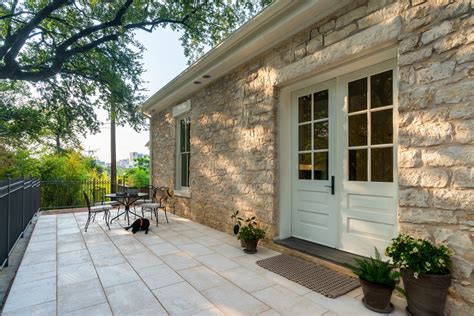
[(284, 128)]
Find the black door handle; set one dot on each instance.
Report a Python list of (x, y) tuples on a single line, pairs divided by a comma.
[(331, 186)]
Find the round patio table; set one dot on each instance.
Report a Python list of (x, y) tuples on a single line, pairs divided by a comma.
[(126, 199)]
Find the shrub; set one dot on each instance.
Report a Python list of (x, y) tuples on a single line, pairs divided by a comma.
[(418, 255), (251, 233)]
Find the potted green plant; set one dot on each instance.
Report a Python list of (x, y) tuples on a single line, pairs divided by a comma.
[(378, 280), (236, 228), (251, 235), (426, 272)]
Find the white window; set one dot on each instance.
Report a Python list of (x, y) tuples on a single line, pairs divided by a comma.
[(183, 152)]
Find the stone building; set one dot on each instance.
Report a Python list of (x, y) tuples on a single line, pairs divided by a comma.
[(341, 123)]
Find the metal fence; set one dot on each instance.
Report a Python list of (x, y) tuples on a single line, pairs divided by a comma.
[(19, 202), (68, 194)]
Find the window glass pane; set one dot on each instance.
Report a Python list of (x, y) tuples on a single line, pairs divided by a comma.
[(321, 166), (321, 135), (381, 127), (381, 164), (358, 130), (188, 134), (320, 104), (358, 95), (304, 108), (185, 170), (358, 165), (304, 166), (182, 136), (304, 137), (381, 86)]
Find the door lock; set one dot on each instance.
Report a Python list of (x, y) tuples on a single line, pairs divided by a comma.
[(331, 186)]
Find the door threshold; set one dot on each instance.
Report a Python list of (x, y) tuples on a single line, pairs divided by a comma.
[(332, 255)]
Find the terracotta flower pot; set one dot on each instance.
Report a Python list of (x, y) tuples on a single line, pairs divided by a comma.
[(377, 297), (427, 294), (251, 246)]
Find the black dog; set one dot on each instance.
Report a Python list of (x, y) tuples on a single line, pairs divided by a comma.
[(139, 224)]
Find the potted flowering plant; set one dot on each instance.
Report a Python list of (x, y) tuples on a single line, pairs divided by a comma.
[(378, 280), (426, 273), (251, 235)]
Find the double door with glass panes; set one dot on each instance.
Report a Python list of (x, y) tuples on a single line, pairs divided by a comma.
[(343, 191)]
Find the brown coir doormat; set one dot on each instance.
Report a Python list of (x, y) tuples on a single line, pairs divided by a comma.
[(319, 279)]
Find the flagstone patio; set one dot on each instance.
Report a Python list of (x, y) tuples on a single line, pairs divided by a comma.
[(180, 268)]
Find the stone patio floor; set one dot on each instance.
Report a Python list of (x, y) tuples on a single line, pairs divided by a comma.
[(180, 268)]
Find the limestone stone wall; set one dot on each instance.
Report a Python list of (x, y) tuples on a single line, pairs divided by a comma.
[(436, 134), (234, 132)]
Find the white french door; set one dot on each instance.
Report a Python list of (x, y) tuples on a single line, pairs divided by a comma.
[(314, 215), (343, 160)]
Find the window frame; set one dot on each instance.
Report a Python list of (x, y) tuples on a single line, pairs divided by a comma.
[(180, 189)]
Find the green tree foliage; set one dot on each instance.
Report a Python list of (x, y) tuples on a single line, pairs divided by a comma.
[(138, 176), (82, 54)]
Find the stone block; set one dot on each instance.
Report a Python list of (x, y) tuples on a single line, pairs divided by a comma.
[(379, 16), (455, 93), (329, 26), (436, 32), (314, 44), (351, 16), (449, 199), (409, 158), (427, 216), (464, 131), (463, 177), (436, 71), (373, 5), (427, 134), (424, 177), (415, 56), (449, 42), (408, 43), (465, 54), (336, 36), (455, 155), (413, 197)]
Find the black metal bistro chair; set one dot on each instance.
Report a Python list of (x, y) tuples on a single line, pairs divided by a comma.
[(93, 210), (159, 201)]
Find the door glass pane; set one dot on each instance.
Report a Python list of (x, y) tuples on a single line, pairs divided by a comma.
[(182, 135), (304, 108), (381, 86), (358, 165), (185, 170), (358, 95), (321, 166), (381, 127), (304, 137), (381, 164), (304, 166), (358, 130), (321, 135), (320, 105)]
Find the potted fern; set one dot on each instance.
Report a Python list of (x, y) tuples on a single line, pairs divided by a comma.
[(378, 280)]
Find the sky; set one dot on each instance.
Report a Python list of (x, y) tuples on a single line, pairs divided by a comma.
[(163, 60)]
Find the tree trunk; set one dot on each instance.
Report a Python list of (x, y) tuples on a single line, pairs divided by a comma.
[(58, 143), (113, 154)]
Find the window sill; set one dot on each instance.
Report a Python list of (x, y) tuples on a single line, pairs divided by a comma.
[(185, 193)]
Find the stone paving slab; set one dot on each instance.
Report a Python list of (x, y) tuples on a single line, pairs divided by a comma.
[(180, 268)]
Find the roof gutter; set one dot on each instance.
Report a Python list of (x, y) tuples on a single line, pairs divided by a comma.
[(254, 37)]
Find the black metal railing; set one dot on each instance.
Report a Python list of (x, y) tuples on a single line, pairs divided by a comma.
[(68, 194), (19, 202)]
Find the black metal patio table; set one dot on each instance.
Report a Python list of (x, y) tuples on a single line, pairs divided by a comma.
[(126, 199)]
